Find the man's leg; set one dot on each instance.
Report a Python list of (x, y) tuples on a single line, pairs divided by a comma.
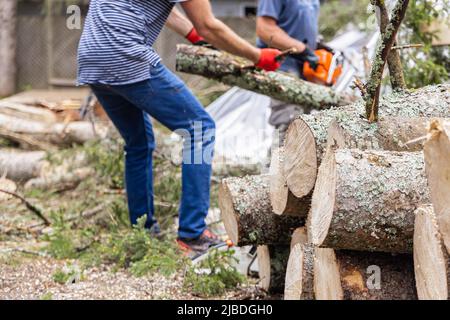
[(166, 98), (136, 129)]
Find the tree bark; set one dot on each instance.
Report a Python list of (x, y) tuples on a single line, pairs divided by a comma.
[(390, 133), (240, 72), (272, 262), (22, 166), (387, 40), (306, 138), (8, 22), (247, 214), (351, 275), (11, 108), (431, 258), (393, 58), (60, 134), (437, 155), (299, 283), (283, 201), (365, 200)]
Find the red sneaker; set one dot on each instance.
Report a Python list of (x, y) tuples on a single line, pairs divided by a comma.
[(200, 245)]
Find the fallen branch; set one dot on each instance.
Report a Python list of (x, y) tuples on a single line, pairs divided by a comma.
[(387, 40), (29, 206), (240, 72), (393, 58)]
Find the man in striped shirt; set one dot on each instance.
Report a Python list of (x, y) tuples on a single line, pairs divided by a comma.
[(116, 59)]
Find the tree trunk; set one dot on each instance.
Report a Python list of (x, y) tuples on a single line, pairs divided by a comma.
[(350, 275), (390, 133), (247, 214), (240, 72), (22, 111), (431, 258), (22, 166), (306, 138), (272, 262), (437, 155), (299, 283), (283, 201), (57, 133), (8, 36), (365, 200)]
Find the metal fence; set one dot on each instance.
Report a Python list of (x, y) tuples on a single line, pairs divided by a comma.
[(46, 53)]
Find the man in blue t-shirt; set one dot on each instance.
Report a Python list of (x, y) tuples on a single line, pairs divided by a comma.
[(286, 24)]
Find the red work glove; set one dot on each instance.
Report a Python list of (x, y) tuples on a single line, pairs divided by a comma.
[(268, 61), (194, 38)]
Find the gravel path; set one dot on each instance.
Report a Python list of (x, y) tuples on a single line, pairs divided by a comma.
[(33, 279)]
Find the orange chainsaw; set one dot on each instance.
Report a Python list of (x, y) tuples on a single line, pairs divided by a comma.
[(329, 68)]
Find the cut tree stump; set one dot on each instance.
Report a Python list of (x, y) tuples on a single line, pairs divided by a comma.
[(437, 159), (22, 166), (283, 201), (299, 282), (272, 263), (307, 136), (365, 200), (235, 71), (247, 214), (351, 275), (431, 258)]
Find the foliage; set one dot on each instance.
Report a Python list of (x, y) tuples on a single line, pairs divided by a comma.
[(67, 274), (334, 16), (139, 252), (108, 160), (214, 275)]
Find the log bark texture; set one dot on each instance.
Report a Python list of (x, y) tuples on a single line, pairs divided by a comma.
[(283, 201), (248, 216), (22, 166), (351, 275), (431, 258), (365, 200), (8, 36), (437, 159), (390, 133), (307, 136), (299, 283), (272, 262), (240, 72)]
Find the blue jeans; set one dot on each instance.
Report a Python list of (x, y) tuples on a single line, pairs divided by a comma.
[(166, 98)]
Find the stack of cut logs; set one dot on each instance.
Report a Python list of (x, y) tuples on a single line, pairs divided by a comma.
[(352, 209), (33, 130)]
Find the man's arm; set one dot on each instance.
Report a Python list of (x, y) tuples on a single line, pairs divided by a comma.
[(216, 32), (269, 32), (179, 23)]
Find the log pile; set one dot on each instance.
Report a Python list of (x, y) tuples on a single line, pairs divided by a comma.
[(372, 202), (32, 130)]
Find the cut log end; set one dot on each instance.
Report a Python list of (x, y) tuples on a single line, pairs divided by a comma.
[(229, 216), (323, 199), (352, 275), (272, 262), (294, 274), (437, 155), (327, 283), (300, 158), (283, 201), (431, 261)]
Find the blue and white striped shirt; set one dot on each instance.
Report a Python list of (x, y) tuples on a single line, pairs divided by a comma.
[(116, 44)]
